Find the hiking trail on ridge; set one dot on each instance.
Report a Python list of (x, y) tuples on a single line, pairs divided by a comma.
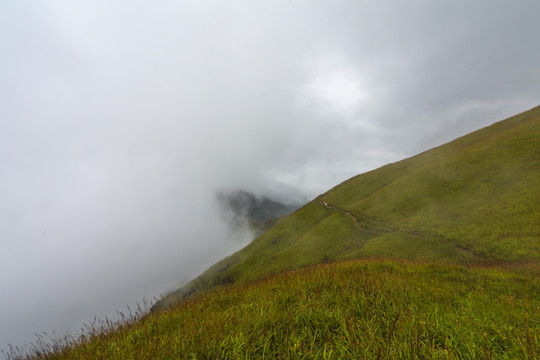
[(346, 212)]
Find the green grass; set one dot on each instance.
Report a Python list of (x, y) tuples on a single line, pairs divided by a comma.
[(346, 310), (471, 201)]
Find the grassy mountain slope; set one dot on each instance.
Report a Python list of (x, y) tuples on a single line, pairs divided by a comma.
[(471, 201), (413, 225), (348, 310)]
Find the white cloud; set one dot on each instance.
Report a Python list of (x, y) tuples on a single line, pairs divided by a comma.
[(336, 88)]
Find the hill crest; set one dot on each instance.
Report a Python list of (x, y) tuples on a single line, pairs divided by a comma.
[(470, 201)]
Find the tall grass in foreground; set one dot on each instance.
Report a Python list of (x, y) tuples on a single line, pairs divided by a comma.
[(50, 345), (360, 310)]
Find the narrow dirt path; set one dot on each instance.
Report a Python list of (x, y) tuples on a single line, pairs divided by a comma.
[(346, 212), (419, 234)]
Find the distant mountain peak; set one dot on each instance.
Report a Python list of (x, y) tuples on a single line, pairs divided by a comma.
[(241, 206)]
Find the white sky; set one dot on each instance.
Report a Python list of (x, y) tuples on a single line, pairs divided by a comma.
[(120, 119)]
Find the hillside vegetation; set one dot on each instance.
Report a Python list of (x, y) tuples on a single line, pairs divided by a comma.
[(471, 201), (358, 309)]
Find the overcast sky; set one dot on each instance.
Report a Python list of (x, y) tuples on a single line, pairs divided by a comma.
[(119, 120)]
